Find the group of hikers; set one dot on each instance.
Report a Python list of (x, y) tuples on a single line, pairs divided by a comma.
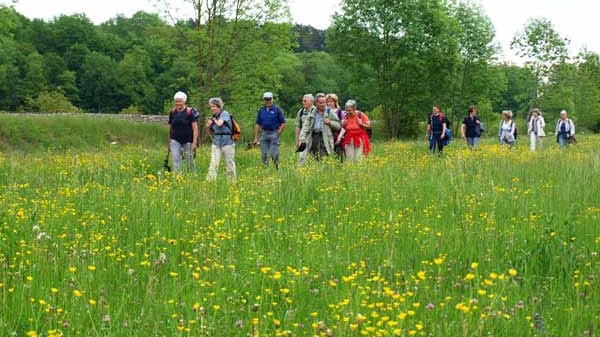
[(322, 129), (438, 129)]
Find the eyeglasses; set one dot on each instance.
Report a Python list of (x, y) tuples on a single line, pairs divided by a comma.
[(267, 99)]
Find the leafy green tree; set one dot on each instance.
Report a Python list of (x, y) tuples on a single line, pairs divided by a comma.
[(520, 82), (310, 39), (99, 84), (413, 48), (479, 81), (543, 48), (135, 74)]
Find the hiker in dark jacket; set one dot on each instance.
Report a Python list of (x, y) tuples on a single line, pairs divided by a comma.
[(436, 130), (183, 133)]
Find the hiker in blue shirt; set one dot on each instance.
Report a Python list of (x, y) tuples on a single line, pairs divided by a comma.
[(220, 126), (436, 130), (270, 123), (183, 132), (471, 128)]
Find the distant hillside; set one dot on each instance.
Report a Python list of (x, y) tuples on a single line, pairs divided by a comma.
[(41, 132)]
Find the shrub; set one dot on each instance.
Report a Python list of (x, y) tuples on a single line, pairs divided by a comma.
[(50, 102)]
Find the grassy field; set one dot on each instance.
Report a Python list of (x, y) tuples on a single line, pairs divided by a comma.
[(98, 241)]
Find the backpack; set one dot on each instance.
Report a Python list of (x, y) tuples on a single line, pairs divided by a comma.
[(235, 128), (516, 132), (369, 131), (443, 119)]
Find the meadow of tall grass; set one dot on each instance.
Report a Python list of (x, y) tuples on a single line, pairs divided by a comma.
[(103, 242)]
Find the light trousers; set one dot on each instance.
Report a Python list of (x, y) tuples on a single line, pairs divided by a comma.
[(354, 154), (176, 150), (216, 153)]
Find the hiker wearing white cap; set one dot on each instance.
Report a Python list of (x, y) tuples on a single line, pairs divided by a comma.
[(270, 123)]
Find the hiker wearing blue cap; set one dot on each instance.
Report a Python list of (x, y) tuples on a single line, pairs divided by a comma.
[(270, 123)]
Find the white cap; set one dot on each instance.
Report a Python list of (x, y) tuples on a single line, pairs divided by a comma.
[(268, 95)]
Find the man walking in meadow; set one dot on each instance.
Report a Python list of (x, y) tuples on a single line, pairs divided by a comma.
[(317, 129), (270, 123), (307, 107)]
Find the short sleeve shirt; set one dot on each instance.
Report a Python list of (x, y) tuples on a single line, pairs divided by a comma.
[(270, 119), (472, 127), (181, 124), (223, 135)]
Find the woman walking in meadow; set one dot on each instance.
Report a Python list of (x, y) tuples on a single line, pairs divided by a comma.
[(507, 129), (183, 133), (535, 129), (565, 130), (353, 136), (220, 125), (436, 130), (471, 128), (333, 105)]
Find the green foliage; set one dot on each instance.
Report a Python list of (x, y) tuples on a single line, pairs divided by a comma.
[(410, 45), (50, 102), (131, 110), (309, 39)]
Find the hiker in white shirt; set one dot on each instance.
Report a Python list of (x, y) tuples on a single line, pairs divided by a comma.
[(535, 129), (565, 130)]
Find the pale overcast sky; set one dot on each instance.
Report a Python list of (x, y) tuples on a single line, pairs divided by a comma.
[(574, 19)]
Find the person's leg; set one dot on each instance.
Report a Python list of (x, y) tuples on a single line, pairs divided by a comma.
[(189, 157), (229, 153), (302, 157), (264, 148), (351, 152), (475, 143), (440, 144), (176, 155), (359, 153), (215, 158), (274, 148), (532, 141), (470, 143), (562, 140), (432, 143)]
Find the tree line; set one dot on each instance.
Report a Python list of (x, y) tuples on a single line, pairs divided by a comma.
[(396, 58)]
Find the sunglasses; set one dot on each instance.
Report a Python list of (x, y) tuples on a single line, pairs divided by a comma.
[(268, 99)]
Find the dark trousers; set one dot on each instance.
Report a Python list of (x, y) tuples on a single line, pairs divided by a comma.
[(317, 147), (436, 141)]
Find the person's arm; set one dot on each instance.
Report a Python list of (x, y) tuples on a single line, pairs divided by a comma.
[(363, 121), (169, 138), (195, 138), (281, 122), (443, 130), (572, 131), (428, 133), (463, 129), (257, 127), (298, 128), (334, 121), (340, 136), (256, 132), (306, 128)]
